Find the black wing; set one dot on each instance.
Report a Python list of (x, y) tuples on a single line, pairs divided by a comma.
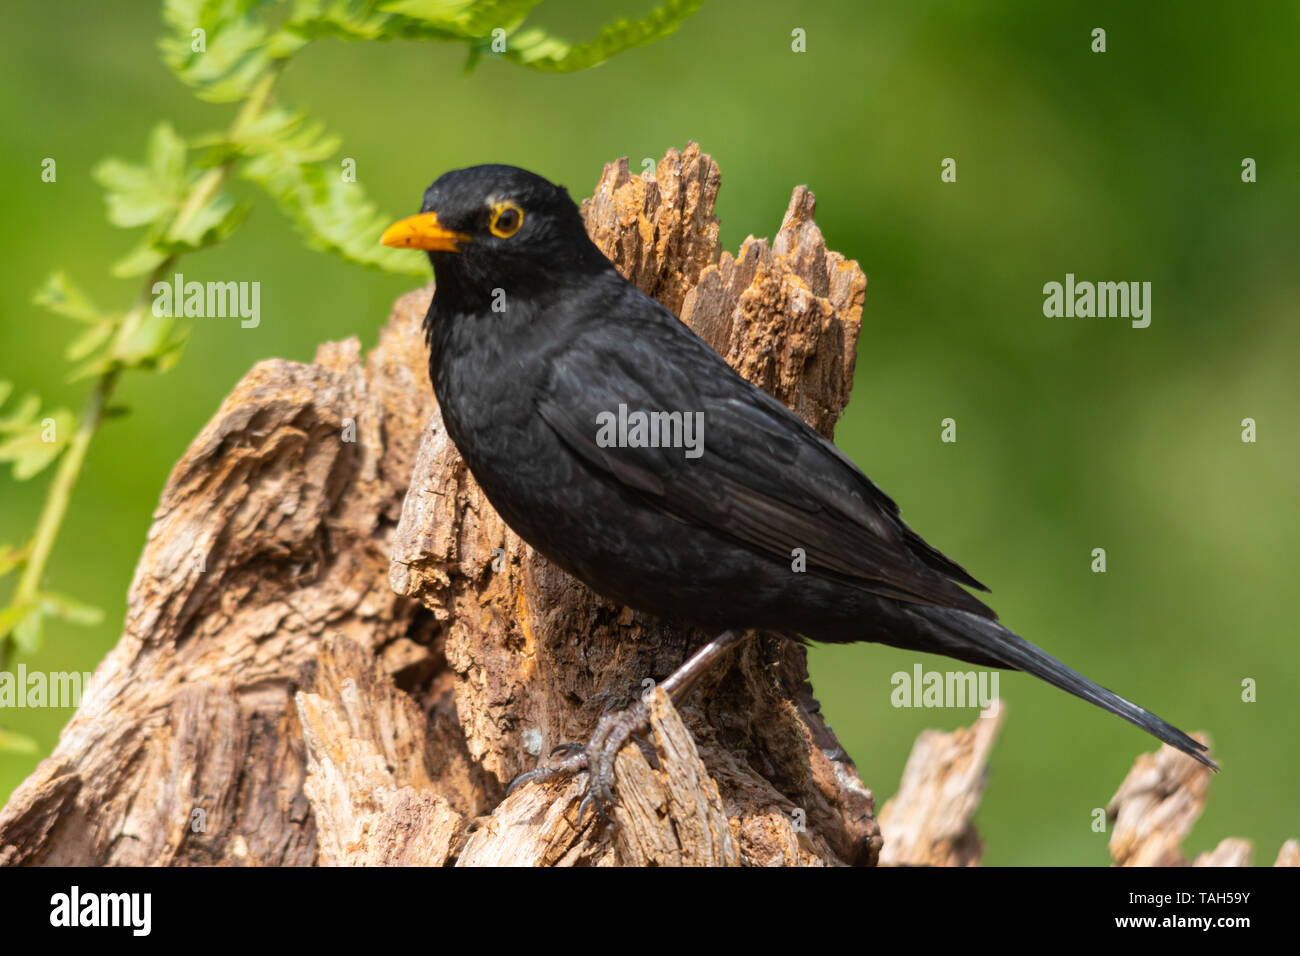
[(765, 478)]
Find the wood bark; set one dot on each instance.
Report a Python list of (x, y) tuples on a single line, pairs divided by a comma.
[(930, 821), (787, 315), (1156, 807), (336, 653)]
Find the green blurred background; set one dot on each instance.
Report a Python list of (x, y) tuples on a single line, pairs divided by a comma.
[(1072, 433)]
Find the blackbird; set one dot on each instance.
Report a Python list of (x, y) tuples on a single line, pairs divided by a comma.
[(618, 444)]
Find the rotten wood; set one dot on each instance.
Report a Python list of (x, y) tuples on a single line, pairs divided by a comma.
[(274, 530), (929, 822), (336, 653), (1156, 807), (538, 658), (274, 699)]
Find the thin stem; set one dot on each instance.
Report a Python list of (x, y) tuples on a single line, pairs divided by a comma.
[(56, 501), (55, 507), (210, 183)]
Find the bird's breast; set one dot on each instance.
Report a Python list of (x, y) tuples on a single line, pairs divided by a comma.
[(485, 372)]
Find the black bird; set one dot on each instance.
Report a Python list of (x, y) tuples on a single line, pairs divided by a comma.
[(541, 356)]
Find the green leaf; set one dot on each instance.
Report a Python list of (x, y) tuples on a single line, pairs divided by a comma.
[(287, 134), (152, 194), (166, 154), (467, 18), (11, 616), (27, 631), (142, 343), (23, 416), (31, 449), (132, 196), (334, 216), (141, 260), (538, 50), (233, 51), (171, 351), (141, 194), (535, 47), (352, 20), (88, 341), (69, 609), (341, 19), (61, 297), (269, 128), (16, 743), (212, 223), (92, 368)]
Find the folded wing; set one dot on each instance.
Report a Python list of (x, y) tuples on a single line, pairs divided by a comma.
[(763, 477)]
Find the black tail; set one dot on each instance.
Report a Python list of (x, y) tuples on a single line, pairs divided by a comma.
[(982, 641)]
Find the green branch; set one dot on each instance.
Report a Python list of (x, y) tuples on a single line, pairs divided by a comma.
[(235, 51), (56, 501), (26, 596)]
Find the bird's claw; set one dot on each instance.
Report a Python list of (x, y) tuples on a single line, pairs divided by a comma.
[(575, 762), (597, 759), (647, 751)]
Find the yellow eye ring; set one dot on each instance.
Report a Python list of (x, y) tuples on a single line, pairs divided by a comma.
[(507, 218)]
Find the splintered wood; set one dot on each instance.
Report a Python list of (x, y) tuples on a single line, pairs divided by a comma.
[(929, 821), (335, 652), (537, 658), (1156, 807), (274, 700), (273, 533)]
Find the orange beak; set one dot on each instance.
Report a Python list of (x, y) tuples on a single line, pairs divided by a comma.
[(423, 232)]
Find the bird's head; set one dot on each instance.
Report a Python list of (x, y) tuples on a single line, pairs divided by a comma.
[(495, 226)]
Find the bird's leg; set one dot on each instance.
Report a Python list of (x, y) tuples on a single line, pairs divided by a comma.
[(683, 680), (616, 729)]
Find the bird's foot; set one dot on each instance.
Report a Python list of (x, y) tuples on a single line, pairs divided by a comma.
[(596, 758)]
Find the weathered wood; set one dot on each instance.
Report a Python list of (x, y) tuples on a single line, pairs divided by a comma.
[(368, 771), (274, 530), (273, 700), (1156, 807), (929, 822), (788, 789), (1289, 855), (1232, 851), (335, 652)]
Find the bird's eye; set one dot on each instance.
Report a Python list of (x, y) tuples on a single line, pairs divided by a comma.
[(506, 219)]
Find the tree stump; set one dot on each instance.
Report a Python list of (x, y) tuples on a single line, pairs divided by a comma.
[(335, 652)]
